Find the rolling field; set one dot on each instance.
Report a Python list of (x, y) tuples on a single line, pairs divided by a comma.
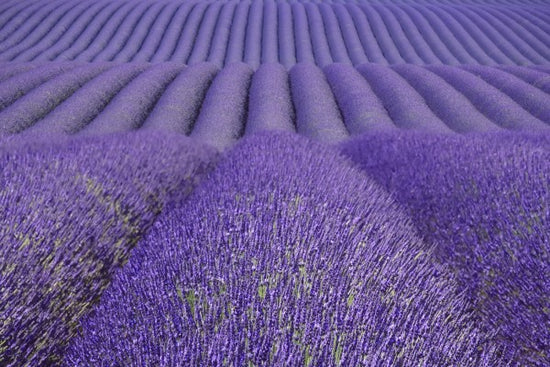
[(275, 183), (288, 32), (219, 106)]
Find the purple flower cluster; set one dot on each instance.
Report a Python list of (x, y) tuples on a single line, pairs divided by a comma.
[(285, 254), (72, 210), (482, 200)]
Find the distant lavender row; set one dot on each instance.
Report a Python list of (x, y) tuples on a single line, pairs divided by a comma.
[(286, 255), (71, 212), (219, 106), (262, 31), (483, 201)]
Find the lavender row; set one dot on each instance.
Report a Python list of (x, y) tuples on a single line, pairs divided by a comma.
[(482, 200), (73, 209), (131, 106), (38, 102), (285, 255), (220, 106), (269, 31), (77, 111)]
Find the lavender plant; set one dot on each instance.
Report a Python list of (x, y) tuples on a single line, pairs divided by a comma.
[(44, 51), (220, 38), (285, 35), (202, 44), (361, 109), (172, 33), (137, 35), (350, 35), (155, 33), (270, 40), (71, 212), (534, 77), (11, 69), (92, 37), (178, 107), (223, 113), (285, 255), (483, 201), (270, 104), (317, 114)]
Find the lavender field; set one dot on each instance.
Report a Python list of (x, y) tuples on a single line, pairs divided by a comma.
[(274, 183)]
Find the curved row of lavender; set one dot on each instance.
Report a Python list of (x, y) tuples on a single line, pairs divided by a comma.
[(284, 255), (71, 212), (268, 31), (220, 106), (482, 200)]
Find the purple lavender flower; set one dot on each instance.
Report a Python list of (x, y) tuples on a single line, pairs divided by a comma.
[(483, 201), (285, 255), (72, 210)]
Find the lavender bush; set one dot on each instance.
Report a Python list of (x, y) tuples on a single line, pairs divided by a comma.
[(223, 113), (270, 41), (352, 40), (220, 38), (361, 109), (284, 255), (317, 114), (202, 45), (90, 37), (483, 201), (11, 69), (117, 38), (148, 43), (172, 33), (178, 107), (72, 211), (136, 35), (186, 39), (270, 105), (285, 34)]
